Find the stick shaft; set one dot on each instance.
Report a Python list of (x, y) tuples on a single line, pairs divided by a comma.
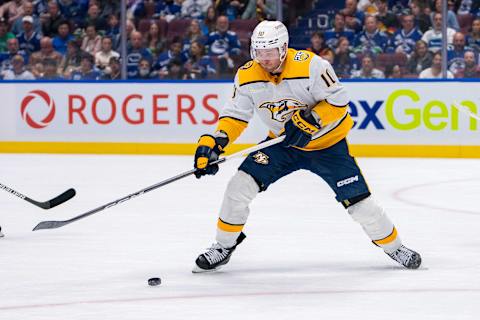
[(57, 224)]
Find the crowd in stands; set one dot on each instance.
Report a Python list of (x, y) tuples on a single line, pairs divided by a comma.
[(209, 39)]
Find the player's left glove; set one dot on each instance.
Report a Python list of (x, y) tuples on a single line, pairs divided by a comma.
[(300, 129), (208, 150)]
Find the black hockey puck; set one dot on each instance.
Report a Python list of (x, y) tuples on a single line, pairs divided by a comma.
[(154, 281)]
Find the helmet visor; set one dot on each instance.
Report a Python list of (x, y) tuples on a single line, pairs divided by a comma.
[(266, 54)]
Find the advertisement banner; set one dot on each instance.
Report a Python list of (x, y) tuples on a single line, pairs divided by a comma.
[(385, 113)]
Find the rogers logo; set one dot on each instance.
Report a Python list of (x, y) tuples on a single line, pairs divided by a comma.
[(34, 94)]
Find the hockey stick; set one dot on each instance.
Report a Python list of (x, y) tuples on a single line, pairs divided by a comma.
[(58, 224), (67, 195), (465, 110)]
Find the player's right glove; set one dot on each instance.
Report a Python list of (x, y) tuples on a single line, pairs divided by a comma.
[(300, 129), (208, 150)]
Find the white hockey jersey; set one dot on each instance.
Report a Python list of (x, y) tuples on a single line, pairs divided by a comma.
[(306, 82)]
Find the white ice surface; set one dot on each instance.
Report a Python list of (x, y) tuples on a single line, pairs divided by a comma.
[(304, 258)]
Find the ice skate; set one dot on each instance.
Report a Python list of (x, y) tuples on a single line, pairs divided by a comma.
[(406, 257), (1, 234), (215, 257)]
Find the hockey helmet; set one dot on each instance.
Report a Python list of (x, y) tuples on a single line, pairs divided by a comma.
[(269, 35)]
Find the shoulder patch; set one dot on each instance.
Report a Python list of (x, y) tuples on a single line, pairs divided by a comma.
[(247, 65), (301, 56)]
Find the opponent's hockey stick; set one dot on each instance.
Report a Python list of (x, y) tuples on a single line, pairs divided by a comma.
[(67, 195), (465, 110), (58, 224)]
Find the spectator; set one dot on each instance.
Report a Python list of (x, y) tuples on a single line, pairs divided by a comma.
[(345, 61), (404, 40), (452, 21), (175, 70), (435, 71), (86, 71), (113, 30), (333, 35), (422, 20), (93, 18), (50, 71), (92, 42), (421, 59), (473, 39), (17, 26), (196, 9), (394, 72), (18, 71), (72, 11), (145, 71), (174, 52), (71, 60), (371, 40), (115, 71), (367, 6), (194, 33), (37, 70), (12, 9), (208, 25), (433, 37), (261, 10), (387, 20), (40, 6), (155, 41), (13, 49), (136, 51), (470, 69), (51, 19), (319, 48), (171, 10), (353, 17), (230, 8), (5, 35), (368, 70), (29, 39), (199, 65), (455, 55), (62, 38), (102, 57), (223, 44), (110, 7), (46, 52)]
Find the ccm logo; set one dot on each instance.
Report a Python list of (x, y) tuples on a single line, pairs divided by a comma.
[(347, 181)]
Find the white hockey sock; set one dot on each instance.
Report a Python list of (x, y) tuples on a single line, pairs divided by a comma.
[(241, 190), (376, 224)]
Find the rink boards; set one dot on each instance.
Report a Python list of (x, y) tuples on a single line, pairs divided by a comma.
[(392, 118)]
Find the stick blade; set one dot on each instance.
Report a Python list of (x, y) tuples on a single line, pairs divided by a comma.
[(49, 225), (67, 195)]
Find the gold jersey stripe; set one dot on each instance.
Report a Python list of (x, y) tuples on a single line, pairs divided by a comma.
[(232, 127), (229, 227), (329, 113), (388, 239)]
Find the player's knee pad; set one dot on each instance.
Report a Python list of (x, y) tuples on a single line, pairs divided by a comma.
[(241, 190), (371, 216)]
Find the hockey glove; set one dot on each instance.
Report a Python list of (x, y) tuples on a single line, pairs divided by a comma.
[(300, 129), (208, 150)]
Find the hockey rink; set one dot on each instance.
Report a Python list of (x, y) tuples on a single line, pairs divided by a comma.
[(304, 257)]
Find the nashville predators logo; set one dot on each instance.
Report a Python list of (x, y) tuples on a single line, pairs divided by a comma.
[(261, 158), (281, 110)]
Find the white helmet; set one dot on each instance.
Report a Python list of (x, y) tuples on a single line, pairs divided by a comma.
[(269, 35)]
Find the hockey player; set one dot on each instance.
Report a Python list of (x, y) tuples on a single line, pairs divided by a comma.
[(298, 94)]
